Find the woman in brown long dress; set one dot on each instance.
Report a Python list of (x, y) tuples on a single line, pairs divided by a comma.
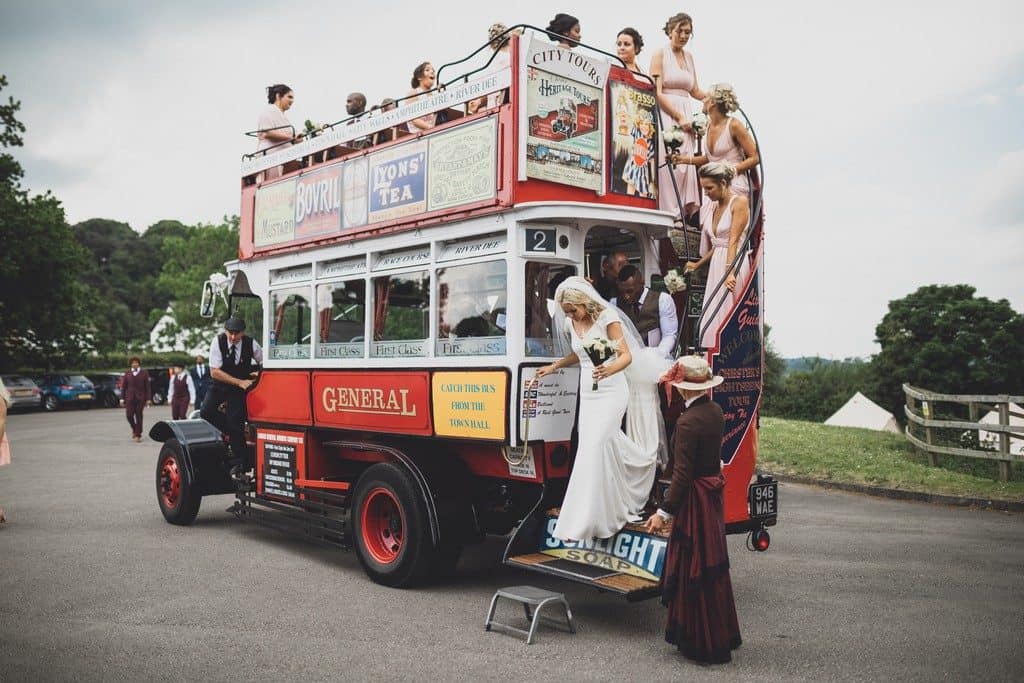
[(696, 586)]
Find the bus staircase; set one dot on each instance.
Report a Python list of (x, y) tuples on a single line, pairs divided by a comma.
[(631, 562)]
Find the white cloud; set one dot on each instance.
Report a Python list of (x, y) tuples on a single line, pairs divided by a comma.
[(990, 99)]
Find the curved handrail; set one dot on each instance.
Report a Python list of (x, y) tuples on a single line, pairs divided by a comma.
[(741, 252)]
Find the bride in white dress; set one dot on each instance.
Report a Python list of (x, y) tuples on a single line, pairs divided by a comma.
[(612, 476)]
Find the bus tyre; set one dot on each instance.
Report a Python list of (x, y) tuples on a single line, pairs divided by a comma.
[(391, 528), (175, 492)]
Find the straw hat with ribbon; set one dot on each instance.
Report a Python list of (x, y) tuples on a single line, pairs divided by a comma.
[(692, 373)]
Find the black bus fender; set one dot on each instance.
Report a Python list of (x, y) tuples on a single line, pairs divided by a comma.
[(204, 453)]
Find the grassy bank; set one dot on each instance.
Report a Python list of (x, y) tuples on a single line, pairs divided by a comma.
[(863, 456)]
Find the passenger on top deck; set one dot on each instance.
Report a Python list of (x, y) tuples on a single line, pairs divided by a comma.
[(627, 46), (723, 222), (273, 127), (675, 78), (388, 134), (568, 27), (727, 138), (498, 34), (423, 77), (355, 107)]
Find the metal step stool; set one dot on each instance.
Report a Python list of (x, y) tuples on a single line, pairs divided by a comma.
[(529, 596)]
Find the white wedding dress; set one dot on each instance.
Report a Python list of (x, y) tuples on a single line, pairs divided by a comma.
[(612, 476)]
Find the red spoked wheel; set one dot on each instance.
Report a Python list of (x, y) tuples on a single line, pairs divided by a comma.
[(382, 526), (176, 493), (390, 526), (169, 481)]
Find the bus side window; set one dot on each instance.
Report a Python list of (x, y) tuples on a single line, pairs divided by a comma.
[(401, 304), (290, 336), (472, 309), (341, 319)]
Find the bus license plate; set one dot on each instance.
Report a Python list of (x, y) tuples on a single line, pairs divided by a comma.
[(764, 499)]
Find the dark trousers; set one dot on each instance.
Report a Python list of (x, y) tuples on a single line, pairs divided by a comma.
[(179, 408), (133, 411), (230, 422)]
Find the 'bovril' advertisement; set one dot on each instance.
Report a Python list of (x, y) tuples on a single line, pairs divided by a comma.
[(456, 168)]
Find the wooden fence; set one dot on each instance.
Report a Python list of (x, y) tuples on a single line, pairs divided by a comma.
[(922, 419)]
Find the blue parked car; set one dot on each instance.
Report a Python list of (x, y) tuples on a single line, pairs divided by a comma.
[(63, 390)]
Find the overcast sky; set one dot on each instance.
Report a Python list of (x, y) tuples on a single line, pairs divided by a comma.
[(887, 128)]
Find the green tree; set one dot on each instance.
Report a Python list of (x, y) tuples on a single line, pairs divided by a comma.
[(44, 306), (946, 339), (820, 390), (188, 258), (774, 366)]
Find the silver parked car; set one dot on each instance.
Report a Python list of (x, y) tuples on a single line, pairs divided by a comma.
[(24, 392)]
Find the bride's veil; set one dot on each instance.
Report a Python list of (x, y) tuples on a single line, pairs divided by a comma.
[(642, 374)]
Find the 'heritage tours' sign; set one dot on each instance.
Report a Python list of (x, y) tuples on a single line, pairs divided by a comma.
[(563, 131), (470, 404), (463, 165)]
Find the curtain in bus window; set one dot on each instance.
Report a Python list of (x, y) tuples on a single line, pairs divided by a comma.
[(381, 290)]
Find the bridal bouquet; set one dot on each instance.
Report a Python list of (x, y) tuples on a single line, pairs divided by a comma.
[(599, 350), (673, 138), (700, 123), (675, 281)]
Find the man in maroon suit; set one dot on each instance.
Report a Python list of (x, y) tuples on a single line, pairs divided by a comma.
[(137, 393)]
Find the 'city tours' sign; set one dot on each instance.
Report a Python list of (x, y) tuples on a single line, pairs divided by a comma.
[(396, 402), (627, 552), (470, 404), (479, 86), (565, 62)]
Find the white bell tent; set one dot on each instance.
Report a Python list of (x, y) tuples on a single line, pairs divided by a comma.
[(861, 411)]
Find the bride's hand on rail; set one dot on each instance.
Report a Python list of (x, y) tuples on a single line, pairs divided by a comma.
[(730, 282), (543, 372)]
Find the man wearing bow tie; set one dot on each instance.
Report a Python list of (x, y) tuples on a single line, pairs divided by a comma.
[(201, 380), (234, 362)]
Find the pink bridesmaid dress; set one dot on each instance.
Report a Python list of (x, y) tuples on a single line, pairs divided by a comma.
[(716, 237), (677, 83), (724, 148)]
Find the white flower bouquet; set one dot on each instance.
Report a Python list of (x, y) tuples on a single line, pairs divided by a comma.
[(700, 123), (673, 138), (675, 281), (599, 350)]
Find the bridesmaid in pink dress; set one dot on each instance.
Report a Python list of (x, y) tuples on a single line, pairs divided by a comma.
[(675, 77), (727, 139), (723, 221)]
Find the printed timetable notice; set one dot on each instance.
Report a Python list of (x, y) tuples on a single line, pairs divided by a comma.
[(279, 470)]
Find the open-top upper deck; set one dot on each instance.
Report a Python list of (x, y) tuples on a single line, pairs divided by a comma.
[(569, 123)]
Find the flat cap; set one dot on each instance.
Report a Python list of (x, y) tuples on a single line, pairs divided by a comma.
[(234, 325)]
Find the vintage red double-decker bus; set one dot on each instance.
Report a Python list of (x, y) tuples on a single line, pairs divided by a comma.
[(402, 293)]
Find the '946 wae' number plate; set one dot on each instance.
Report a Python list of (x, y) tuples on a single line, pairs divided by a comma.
[(764, 499)]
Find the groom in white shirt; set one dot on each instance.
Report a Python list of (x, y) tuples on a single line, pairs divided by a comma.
[(653, 313)]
